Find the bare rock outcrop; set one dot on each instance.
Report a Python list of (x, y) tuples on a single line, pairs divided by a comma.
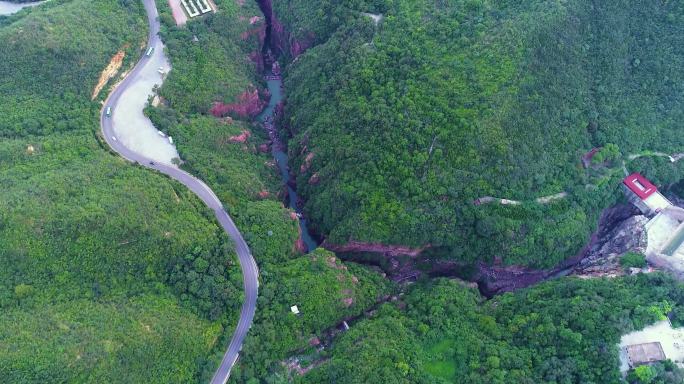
[(620, 230), (307, 163), (603, 258), (241, 138), (388, 250), (249, 104)]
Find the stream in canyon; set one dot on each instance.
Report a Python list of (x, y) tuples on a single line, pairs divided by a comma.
[(491, 279), (268, 118)]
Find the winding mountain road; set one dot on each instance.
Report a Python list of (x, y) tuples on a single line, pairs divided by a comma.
[(249, 268)]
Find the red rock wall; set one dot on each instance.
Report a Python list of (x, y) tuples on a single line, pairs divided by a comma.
[(249, 104), (389, 250)]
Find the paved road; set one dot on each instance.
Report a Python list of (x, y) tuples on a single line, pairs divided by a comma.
[(247, 263)]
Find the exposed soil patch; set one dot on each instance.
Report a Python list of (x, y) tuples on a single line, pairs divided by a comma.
[(377, 18), (109, 72)]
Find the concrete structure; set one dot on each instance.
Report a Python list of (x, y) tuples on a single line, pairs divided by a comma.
[(644, 195), (665, 228), (184, 9), (666, 240), (646, 353), (196, 7)]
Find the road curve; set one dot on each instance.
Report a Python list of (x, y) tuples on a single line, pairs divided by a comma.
[(248, 265)]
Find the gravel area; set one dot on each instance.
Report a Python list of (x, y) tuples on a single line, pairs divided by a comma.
[(132, 128)]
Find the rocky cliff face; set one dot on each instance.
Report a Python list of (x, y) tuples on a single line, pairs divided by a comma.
[(281, 41), (387, 250), (284, 42), (603, 259), (249, 104), (621, 229)]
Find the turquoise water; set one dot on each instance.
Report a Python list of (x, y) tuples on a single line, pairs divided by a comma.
[(274, 86)]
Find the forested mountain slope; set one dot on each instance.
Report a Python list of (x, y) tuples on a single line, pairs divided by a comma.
[(406, 122), (566, 331), (108, 273), (215, 59), (112, 273)]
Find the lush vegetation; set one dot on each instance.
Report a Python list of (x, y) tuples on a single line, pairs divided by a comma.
[(143, 339), (412, 119), (633, 260), (660, 373), (213, 68), (95, 284), (565, 331), (111, 273), (216, 65), (209, 61), (325, 290), (48, 64)]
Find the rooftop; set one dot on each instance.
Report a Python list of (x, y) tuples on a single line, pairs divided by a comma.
[(640, 354), (640, 185)]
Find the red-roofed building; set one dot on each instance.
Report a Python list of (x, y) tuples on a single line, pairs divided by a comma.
[(644, 195), (639, 185)]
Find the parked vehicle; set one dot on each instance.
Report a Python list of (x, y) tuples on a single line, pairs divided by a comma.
[(108, 112), (149, 52), (170, 139)]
